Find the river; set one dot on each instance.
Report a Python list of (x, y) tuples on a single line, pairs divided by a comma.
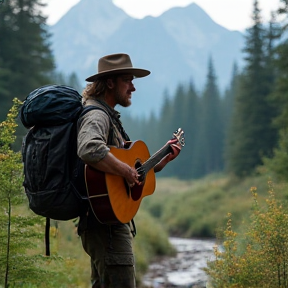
[(183, 270)]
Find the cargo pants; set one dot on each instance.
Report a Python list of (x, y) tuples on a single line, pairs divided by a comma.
[(112, 259)]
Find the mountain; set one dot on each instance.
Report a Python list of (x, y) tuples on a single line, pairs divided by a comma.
[(175, 47), (78, 37)]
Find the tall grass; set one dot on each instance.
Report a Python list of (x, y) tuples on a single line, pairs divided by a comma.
[(198, 208), (68, 256), (151, 241)]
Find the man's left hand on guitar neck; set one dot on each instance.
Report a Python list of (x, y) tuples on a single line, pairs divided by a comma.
[(176, 149)]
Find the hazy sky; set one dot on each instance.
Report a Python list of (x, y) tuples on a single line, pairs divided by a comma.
[(232, 14)]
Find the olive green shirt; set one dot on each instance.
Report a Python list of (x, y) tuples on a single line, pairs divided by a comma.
[(94, 132)]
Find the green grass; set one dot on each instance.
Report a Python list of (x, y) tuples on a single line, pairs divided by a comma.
[(198, 208), (65, 245)]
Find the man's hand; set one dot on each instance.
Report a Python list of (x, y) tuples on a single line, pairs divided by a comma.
[(132, 177), (176, 149), (110, 164)]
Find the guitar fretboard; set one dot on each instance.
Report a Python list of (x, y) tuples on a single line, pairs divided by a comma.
[(154, 159)]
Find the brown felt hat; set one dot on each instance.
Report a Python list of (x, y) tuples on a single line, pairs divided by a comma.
[(116, 64)]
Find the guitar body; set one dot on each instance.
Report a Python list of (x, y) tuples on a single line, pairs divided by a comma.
[(111, 199)]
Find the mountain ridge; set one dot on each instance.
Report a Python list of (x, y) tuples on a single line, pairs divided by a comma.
[(175, 47)]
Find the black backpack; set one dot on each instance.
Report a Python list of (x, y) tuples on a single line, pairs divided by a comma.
[(53, 173)]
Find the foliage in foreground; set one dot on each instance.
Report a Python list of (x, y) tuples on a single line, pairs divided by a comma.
[(257, 257), (21, 232), (15, 236)]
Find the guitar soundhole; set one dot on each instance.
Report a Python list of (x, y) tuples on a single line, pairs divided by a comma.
[(135, 191)]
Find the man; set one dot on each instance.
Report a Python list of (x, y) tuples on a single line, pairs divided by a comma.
[(110, 246)]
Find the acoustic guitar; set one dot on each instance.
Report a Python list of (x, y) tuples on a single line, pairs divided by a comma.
[(110, 197)]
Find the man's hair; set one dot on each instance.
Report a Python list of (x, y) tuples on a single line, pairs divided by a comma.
[(96, 89)]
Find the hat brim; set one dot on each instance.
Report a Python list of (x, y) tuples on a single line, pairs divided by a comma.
[(134, 71)]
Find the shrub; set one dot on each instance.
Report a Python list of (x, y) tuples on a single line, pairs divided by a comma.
[(258, 257)]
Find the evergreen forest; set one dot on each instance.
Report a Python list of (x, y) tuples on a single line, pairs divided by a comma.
[(229, 131), (235, 130), (240, 134)]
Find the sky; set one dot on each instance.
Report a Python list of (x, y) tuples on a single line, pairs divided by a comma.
[(232, 14)]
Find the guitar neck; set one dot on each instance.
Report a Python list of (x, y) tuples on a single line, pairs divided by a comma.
[(155, 158)]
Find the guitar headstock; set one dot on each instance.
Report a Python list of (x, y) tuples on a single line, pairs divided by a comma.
[(179, 134)]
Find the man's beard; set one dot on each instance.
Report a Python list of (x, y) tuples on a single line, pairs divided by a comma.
[(122, 100)]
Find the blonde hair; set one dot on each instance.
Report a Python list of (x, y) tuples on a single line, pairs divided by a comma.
[(97, 88), (94, 90)]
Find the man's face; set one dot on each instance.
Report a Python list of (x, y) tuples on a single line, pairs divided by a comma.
[(123, 90)]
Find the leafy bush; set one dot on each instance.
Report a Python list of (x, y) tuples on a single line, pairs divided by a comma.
[(258, 256)]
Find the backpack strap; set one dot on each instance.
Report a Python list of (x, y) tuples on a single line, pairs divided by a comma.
[(47, 237), (115, 121)]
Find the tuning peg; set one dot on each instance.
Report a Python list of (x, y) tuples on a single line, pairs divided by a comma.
[(179, 134)]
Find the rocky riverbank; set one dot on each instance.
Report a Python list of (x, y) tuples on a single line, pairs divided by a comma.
[(185, 269)]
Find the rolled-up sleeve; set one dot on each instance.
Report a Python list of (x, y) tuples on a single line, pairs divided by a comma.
[(92, 136)]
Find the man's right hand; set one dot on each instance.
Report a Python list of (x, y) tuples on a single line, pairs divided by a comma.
[(132, 177), (110, 164)]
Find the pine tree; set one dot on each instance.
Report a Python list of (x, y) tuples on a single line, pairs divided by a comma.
[(229, 97), (177, 118), (150, 132), (71, 80), (228, 112), (166, 126), (280, 93), (185, 165), (210, 140), (253, 136), (26, 59), (278, 164), (74, 82)]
